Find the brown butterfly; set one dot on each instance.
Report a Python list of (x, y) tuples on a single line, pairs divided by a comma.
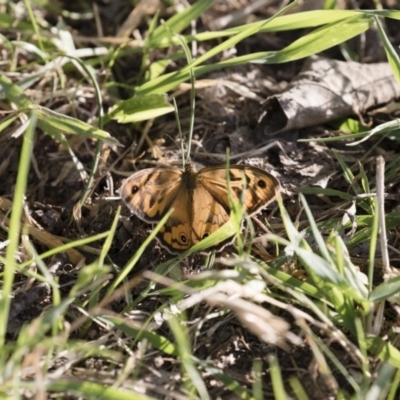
[(200, 199)]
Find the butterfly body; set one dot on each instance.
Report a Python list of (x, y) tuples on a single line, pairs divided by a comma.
[(200, 200)]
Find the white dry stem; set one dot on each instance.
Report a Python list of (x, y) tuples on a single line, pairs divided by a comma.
[(233, 296), (380, 195)]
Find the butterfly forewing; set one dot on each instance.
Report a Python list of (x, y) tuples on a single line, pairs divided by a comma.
[(150, 192), (255, 186)]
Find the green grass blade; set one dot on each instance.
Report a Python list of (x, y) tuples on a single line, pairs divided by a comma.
[(139, 108), (15, 224), (14, 93), (179, 21), (157, 341), (132, 262), (385, 351), (54, 122), (158, 84), (192, 377), (307, 19), (391, 53), (276, 378), (92, 390), (321, 39)]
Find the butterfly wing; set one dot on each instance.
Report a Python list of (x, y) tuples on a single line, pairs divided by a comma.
[(176, 234), (256, 186), (150, 192), (208, 214), (200, 200)]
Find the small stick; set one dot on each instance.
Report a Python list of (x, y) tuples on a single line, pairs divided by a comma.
[(380, 195)]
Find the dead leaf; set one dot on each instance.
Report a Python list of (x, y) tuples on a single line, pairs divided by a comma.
[(327, 90)]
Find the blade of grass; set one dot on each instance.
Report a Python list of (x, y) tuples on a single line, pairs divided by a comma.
[(382, 383), (386, 127), (94, 297), (52, 121), (257, 379), (14, 93), (276, 378), (34, 23), (192, 378), (155, 86), (71, 245), (321, 39), (179, 21), (386, 290), (310, 44), (15, 224), (391, 53), (91, 390), (319, 347), (385, 351), (327, 192), (307, 19), (139, 108), (316, 233), (159, 342), (348, 174), (362, 345), (132, 262), (393, 391)]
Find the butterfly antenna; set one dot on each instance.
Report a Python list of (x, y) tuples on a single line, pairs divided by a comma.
[(192, 109), (189, 60), (178, 123)]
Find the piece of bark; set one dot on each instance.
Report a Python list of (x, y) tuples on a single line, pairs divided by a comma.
[(327, 90)]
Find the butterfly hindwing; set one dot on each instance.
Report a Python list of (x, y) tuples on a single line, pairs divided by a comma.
[(208, 214), (176, 234)]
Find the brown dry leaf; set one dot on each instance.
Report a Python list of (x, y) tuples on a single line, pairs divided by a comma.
[(327, 90)]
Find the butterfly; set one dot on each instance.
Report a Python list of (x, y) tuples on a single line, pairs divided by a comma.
[(200, 200)]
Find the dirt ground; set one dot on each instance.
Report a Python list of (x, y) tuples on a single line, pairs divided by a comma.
[(224, 118)]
